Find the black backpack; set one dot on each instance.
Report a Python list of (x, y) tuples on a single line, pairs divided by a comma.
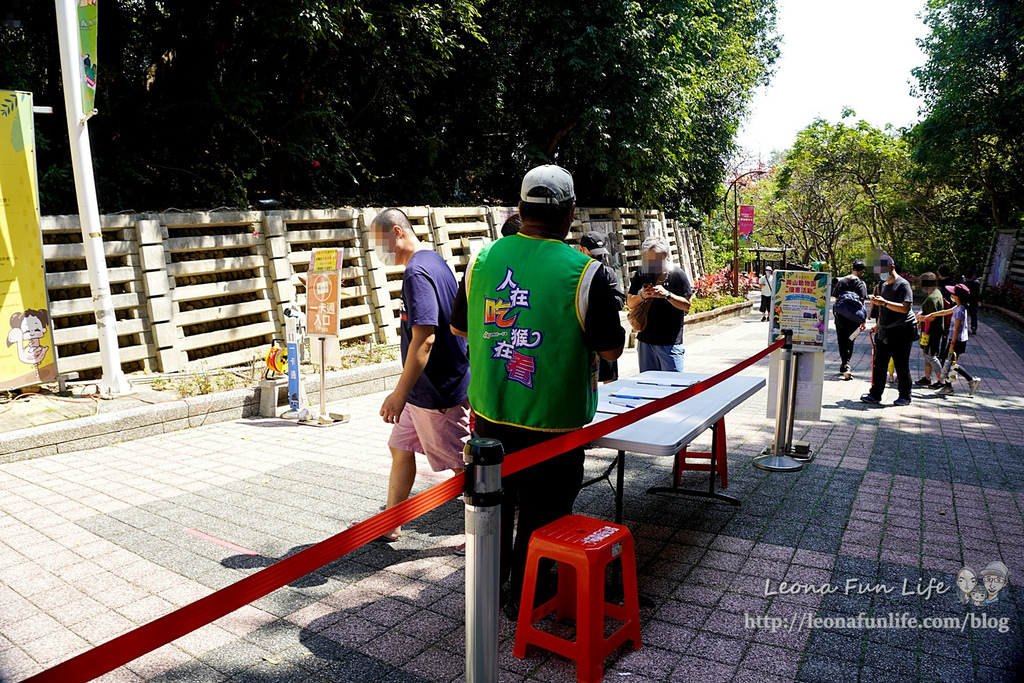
[(849, 307)]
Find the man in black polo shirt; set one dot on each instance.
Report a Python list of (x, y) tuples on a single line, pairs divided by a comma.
[(894, 335)]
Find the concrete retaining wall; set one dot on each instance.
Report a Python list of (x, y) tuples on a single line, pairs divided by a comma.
[(207, 290)]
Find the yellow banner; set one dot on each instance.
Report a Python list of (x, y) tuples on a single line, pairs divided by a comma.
[(27, 354)]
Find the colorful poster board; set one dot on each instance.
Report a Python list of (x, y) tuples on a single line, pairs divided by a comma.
[(27, 353), (800, 303)]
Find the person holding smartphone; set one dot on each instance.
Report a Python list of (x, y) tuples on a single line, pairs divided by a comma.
[(668, 288)]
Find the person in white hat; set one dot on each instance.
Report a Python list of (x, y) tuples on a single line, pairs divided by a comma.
[(766, 292)]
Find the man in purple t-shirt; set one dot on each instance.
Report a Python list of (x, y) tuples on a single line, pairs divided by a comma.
[(430, 407)]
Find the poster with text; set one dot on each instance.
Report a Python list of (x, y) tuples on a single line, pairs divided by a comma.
[(26, 353), (800, 303)]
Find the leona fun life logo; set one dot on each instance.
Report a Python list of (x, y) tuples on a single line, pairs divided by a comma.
[(982, 588)]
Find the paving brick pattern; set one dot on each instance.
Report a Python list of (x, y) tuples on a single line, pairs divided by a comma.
[(95, 542)]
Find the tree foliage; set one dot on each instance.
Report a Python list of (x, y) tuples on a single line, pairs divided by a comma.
[(841, 189), (930, 195), (321, 103), (972, 87)]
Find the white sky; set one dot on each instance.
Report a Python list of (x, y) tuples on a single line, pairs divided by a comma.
[(837, 53)]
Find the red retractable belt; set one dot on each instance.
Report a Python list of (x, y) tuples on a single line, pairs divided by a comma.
[(124, 648)]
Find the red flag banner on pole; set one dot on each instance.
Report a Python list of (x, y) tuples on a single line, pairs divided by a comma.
[(746, 220)]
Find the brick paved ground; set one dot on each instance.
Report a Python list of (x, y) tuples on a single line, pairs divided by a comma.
[(93, 543)]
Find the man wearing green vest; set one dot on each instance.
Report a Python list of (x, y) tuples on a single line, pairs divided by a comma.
[(537, 313)]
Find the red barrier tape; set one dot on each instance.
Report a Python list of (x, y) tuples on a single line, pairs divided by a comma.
[(144, 639)]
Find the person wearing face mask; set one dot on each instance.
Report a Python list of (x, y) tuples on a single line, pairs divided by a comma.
[(668, 288), (430, 406), (895, 333)]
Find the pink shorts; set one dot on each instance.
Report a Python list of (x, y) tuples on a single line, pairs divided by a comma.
[(438, 434)]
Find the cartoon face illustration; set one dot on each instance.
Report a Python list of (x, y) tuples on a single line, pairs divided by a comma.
[(978, 595), (993, 583), (994, 577), (27, 328), (32, 327), (966, 580)]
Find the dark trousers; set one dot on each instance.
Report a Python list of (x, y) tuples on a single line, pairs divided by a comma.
[(972, 312), (541, 494), (844, 328), (896, 345)]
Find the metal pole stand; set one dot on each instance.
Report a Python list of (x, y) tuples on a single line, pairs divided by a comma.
[(483, 459), (326, 418), (775, 458), (798, 450)]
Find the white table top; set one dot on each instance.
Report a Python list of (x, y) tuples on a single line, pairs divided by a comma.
[(666, 432)]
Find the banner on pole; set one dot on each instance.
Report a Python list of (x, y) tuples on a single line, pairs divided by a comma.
[(26, 355), (746, 224), (87, 20)]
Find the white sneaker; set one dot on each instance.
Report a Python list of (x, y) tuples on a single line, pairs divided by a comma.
[(973, 385), (945, 391)]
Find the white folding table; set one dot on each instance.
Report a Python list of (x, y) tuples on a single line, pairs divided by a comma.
[(669, 431)]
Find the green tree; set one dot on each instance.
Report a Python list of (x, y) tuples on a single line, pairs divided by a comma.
[(842, 189), (972, 87), (324, 103), (641, 101)]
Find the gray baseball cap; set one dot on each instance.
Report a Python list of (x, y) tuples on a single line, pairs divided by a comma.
[(547, 184)]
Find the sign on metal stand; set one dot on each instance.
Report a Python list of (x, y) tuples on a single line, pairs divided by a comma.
[(323, 302), (800, 304), (483, 458)]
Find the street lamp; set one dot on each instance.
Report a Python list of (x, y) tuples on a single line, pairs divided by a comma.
[(735, 226)]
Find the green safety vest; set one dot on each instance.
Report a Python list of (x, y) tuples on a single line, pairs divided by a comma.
[(529, 366)]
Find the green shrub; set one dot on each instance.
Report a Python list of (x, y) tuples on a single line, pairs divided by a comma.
[(718, 301)]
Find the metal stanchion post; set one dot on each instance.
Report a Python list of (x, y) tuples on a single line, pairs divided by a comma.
[(483, 459), (799, 450), (324, 417), (775, 458)]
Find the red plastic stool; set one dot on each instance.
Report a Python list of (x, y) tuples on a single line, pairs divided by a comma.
[(703, 463), (583, 546)]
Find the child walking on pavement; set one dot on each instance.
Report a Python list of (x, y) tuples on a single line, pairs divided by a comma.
[(958, 336)]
